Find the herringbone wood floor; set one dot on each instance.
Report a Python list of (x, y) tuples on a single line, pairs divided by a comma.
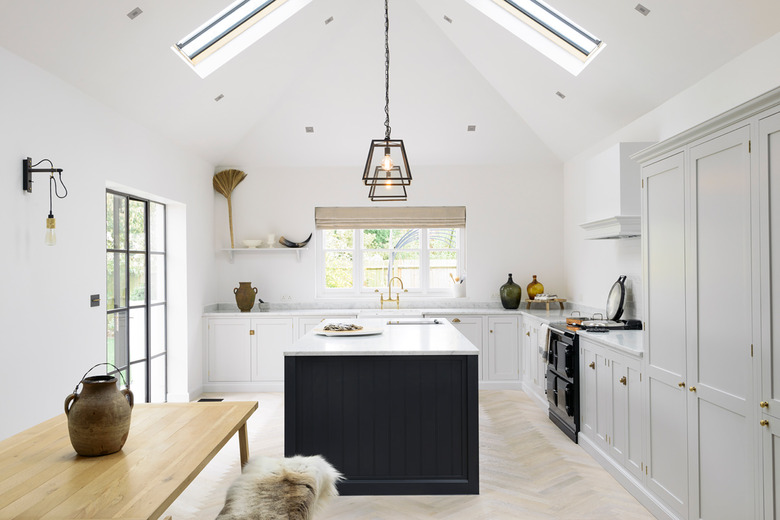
[(528, 470)]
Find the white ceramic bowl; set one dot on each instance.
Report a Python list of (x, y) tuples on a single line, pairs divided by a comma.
[(252, 243)]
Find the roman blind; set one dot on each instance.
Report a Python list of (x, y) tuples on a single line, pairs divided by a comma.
[(390, 218)]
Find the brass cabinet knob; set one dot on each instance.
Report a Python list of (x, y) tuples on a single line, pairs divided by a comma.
[(252, 332), (527, 333), (455, 320), (491, 331), (623, 380), (592, 365), (681, 384), (763, 404), (692, 388), (763, 422)]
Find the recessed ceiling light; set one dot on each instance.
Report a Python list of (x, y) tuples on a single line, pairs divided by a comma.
[(560, 94), (309, 129), (219, 97), (134, 13), (471, 128), (642, 9), (328, 20), (449, 20)]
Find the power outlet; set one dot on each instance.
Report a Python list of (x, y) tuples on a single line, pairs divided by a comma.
[(94, 300), (287, 298)]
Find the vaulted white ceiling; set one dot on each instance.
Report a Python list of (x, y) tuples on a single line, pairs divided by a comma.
[(444, 76)]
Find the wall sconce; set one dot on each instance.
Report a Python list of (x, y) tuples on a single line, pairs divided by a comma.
[(28, 168)]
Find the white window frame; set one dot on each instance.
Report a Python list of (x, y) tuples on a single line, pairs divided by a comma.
[(358, 291)]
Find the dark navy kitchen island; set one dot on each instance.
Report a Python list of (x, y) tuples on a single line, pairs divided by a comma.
[(395, 412)]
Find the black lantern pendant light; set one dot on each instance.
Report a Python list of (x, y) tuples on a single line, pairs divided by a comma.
[(387, 170)]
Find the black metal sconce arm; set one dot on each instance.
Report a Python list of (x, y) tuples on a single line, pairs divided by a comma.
[(28, 168)]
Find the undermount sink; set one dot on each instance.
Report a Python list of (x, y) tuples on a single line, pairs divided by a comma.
[(390, 313), (415, 321)]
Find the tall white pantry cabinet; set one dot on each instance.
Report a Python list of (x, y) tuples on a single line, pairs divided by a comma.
[(711, 245)]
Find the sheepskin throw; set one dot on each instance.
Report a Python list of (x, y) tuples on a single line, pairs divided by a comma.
[(280, 489)]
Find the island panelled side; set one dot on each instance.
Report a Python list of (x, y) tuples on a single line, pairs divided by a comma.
[(393, 425)]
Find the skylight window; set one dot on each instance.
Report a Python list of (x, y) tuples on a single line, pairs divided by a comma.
[(545, 29), (231, 31)]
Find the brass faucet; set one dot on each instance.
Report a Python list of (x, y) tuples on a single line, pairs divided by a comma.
[(390, 298)]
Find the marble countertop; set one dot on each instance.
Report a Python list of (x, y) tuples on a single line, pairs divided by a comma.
[(406, 339), (625, 341)]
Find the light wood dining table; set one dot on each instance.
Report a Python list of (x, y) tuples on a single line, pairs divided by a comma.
[(42, 477)]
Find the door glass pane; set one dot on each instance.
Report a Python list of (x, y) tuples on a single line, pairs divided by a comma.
[(157, 278), (442, 264), (137, 279), (116, 275), (138, 381), (116, 212), (116, 338), (158, 366), (156, 227), (338, 270), (137, 334), (157, 326), (137, 225)]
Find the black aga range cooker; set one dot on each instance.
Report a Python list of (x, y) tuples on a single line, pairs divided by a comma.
[(562, 385)]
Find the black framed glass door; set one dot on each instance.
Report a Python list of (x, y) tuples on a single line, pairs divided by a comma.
[(136, 304)]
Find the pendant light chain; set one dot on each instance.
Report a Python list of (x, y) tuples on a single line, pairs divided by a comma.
[(387, 74)]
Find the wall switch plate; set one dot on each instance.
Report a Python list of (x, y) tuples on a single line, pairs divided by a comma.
[(94, 300)]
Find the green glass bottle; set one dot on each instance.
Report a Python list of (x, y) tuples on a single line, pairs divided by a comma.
[(510, 294)]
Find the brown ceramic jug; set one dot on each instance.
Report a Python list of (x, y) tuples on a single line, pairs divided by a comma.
[(99, 416), (245, 296)]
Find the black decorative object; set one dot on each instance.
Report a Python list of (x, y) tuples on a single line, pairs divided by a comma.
[(510, 294), (387, 169)]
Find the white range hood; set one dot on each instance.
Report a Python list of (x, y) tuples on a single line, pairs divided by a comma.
[(619, 226), (621, 175)]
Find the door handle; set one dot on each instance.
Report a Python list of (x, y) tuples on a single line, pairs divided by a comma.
[(763, 422), (692, 388), (456, 320), (592, 365), (681, 384), (623, 380), (764, 404)]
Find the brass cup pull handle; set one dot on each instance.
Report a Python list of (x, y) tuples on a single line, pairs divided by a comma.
[(763, 422), (681, 385), (692, 388), (592, 365), (764, 404), (623, 380), (455, 320)]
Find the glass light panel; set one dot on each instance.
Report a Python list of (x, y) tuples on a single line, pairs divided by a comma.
[(116, 213), (339, 239), (442, 264), (338, 270), (157, 278), (568, 31), (138, 381), (116, 280), (157, 329), (116, 338), (137, 279), (376, 238), (406, 266), (137, 334), (375, 264), (156, 227), (242, 10), (137, 225), (158, 367)]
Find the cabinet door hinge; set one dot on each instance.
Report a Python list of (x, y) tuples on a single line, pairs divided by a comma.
[(751, 350), (643, 183), (750, 146), (646, 469), (640, 377)]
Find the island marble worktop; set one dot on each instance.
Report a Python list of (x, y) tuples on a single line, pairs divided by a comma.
[(407, 337)]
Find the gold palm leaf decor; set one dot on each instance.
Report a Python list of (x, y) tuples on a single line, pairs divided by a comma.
[(225, 182)]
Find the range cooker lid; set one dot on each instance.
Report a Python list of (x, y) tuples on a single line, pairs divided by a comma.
[(616, 298)]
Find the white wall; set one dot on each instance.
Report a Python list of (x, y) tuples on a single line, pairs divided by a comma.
[(592, 266), (50, 335), (513, 223)]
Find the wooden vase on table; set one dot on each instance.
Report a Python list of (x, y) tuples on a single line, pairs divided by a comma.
[(99, 416), (245, 296)]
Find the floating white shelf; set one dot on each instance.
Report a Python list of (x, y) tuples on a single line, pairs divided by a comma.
[(265, 250)]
